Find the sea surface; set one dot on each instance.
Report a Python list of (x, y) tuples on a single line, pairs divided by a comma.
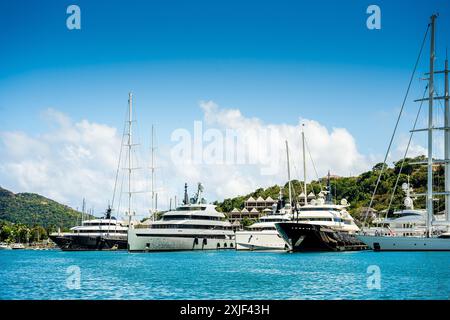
[(54, 274)]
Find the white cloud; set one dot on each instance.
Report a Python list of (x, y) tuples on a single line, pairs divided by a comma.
[(79, 159), (333, 150), (71, 161)]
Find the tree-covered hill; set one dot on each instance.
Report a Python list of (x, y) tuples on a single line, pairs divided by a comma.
[(358, 190), (34, 210)]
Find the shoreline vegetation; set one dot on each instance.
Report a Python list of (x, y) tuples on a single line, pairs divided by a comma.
[(29, 217), (358, 190)]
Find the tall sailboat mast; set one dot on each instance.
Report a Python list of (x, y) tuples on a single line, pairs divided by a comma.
[(153, 175), (447, 143), (83, 208), (304, 165), (289, 176), (130, 145), (430, 128)]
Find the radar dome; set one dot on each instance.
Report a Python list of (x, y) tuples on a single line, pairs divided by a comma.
[(408, 202)]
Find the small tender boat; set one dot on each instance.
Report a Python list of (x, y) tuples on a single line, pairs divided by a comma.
[(17, 246), (5, 246)]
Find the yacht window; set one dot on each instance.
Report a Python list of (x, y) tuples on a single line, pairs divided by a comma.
[(187, 226), (315, 219), (315, 209), (191, 217), (191, 208), (272, 220)]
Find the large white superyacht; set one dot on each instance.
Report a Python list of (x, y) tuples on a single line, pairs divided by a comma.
[(406, 222), (433, 237), (194, 225), (263, 235)]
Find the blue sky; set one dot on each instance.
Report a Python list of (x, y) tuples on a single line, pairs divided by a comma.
[(274, 60)]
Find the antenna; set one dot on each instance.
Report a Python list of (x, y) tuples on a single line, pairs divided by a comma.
[(289, 176), (186, 198), (199, 193), (304, 165), (430, 127), (153, 209), (83, 208), (329, 197), (130, 145), (447, 140)]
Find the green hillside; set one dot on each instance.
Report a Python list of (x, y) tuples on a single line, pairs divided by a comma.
[(358, 190), (31, 209)]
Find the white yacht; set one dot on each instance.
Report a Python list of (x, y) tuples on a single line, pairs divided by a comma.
[(191, 226), (407, 222), (5, 246), (431, 239), (17, 246), (405, 228), (263, 235), (97, 234)]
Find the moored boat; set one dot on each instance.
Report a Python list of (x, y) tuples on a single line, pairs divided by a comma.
[(191, 226), (97, 234), (17, 246), (433, 238), (320, 225), (263, 235), (5, 246)]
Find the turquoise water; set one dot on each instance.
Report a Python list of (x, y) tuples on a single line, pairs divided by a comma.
[(223, 275)]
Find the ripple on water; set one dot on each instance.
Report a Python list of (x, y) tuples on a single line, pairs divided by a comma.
[(223, 275)]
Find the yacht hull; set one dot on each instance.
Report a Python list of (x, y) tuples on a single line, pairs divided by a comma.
[(302, 237), (142, 241), (384, 243), (259, 240), (87, 243)]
